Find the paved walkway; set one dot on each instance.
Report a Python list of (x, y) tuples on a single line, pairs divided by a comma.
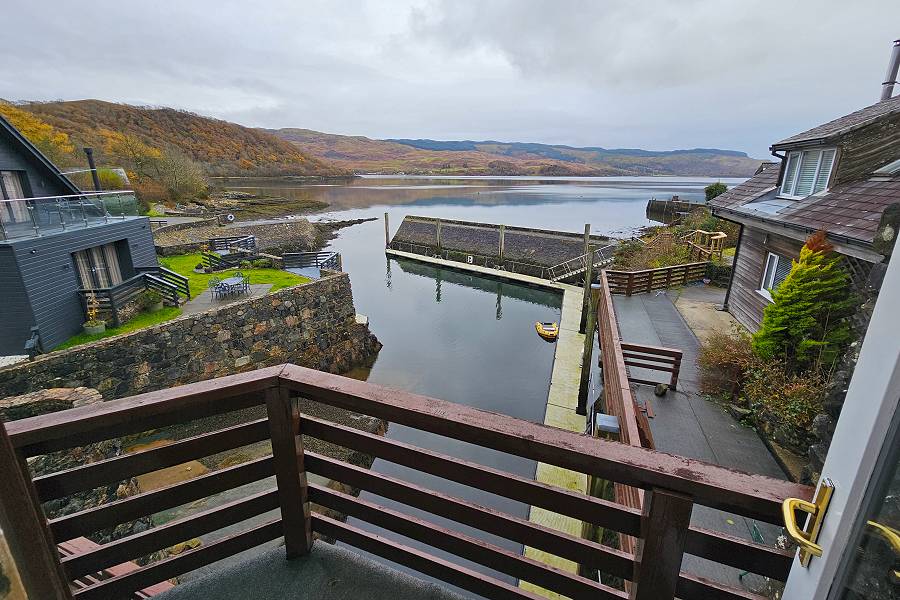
[(205, 300), (688, 425)]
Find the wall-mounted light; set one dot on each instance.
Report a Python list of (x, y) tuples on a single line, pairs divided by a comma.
[(33, 251)]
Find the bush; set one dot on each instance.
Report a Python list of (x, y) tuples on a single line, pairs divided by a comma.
[(262, 263), (148, 299), (723, 360), (784, 402), (715, 189), (807, 325), (245, 264)]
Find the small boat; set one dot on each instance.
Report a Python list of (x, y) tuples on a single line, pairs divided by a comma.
[(548, 331)]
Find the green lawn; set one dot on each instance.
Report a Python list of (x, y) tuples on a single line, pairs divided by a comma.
[(140, 321), (184, 264)]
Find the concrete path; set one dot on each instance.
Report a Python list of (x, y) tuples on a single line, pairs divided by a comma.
[(205, 300), (688, 425)]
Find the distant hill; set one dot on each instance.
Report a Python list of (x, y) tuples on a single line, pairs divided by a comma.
[(219, 147), (466, 157)]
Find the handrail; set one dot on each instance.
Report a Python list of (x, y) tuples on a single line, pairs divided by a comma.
[(684, 481), (578, 264), (81, 195), (646, 280)]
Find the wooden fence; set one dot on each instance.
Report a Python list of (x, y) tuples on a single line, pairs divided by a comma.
[(672, 486), (635, 282)]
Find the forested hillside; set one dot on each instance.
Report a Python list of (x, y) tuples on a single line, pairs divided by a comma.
[(219, 147)]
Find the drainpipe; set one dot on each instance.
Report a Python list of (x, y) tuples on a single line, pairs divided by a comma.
[(737, 251), (890, 78), (90, 158)]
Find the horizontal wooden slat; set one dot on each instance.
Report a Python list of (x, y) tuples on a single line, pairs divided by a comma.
[(733, 551), (755, 496), (122, 586), (460, 545), (147, 503), (171, 533), (86, 477), (593, 510), (422, 562), (513, 528), (661, 350), (105, 420), (651, 366)]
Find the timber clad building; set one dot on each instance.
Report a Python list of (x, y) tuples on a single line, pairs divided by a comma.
[(57, 244), (841, 178)]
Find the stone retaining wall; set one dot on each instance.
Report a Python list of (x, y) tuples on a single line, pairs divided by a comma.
[(313, 325)]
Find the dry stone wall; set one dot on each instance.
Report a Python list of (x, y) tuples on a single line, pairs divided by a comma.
[(313, 325)]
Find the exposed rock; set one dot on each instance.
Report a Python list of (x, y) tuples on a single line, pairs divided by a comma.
[(45, 401), (661, 389), (738, 412)]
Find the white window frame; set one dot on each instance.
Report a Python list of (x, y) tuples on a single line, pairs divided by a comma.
[(768, 278), (798, 156)]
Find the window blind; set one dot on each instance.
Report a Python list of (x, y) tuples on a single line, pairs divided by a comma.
[(824, 171), (809, 163)]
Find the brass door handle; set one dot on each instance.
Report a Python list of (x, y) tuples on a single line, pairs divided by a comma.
[(890, 535), (806, 539), (789, 508)]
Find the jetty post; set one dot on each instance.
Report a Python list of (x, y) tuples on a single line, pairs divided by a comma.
[(589, 324), (387, 234), (437, 234), (588, 277), (502, 236)]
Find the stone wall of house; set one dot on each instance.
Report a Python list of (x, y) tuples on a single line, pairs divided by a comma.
[(313, 325)]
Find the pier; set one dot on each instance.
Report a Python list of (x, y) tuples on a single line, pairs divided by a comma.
[(562, 400)]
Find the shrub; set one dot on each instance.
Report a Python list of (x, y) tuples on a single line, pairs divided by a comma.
[(785, 402), (149, 298), (262, 263), (245, 264), (723, 360), (807, 325), (715, 189)]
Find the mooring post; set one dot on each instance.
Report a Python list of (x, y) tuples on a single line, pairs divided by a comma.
[(437, 229), (502, 235), (586, 298), (587, 353), (387, 234)]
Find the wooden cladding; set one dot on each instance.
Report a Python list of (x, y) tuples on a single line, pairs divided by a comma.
[(675, 484), (635, 282)]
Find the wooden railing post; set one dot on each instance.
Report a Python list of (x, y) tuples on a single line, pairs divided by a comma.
[(26, 531), (676, 369), (664, 527), (290, 473)]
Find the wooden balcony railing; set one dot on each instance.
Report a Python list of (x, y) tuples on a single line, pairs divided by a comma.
[(672, 485), (646, 280)]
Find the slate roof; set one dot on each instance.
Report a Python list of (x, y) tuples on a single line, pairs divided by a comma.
[(766, 177), (851, 210), (843, 124)]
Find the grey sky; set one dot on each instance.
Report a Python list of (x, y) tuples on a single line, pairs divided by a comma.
[(650, 74)]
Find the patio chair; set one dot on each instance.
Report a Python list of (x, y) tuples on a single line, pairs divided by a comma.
[(214, 287), (245, 281)]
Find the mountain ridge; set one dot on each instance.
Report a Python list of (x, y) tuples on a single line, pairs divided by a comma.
[(424, 156)]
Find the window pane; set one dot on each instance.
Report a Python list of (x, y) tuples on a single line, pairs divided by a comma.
[(789, 172), (782, 268), (872, 574), (824, 170), (808, 165), (770, 270)]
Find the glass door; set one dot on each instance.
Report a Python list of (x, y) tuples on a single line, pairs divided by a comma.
[(858, 539)]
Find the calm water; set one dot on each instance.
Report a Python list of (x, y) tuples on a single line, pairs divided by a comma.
[(459, 337)]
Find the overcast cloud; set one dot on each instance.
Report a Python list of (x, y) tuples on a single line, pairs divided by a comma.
[(649, 74)]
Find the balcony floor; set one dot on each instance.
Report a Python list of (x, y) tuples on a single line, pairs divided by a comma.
[(327, 573)]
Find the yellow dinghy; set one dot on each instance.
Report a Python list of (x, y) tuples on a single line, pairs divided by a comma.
[(548, 331)]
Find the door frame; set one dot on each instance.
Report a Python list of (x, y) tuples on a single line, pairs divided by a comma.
[(857, 451)]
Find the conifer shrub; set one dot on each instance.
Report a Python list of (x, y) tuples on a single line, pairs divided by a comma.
[(807, 325)]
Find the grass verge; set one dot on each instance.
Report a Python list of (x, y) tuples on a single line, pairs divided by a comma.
[(138, 322), (184, 264)]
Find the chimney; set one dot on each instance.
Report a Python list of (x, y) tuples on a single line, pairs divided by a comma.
[(887, 88)]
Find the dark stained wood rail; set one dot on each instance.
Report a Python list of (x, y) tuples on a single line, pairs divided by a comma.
[(657, 358), (646, 280), (674, 484)]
